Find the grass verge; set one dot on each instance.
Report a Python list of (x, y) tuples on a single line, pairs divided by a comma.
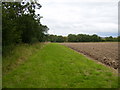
[(56, 66), (19, 55)]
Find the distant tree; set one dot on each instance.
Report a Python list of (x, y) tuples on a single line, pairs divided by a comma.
[(118, 38), (55, 38), (95, 38), (109, 38), (60, 39), (52, 38), (72, 38), (80, 37), (83, 38)]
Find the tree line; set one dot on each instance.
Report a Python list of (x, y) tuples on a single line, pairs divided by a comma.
[(20, 24), (81, 38)]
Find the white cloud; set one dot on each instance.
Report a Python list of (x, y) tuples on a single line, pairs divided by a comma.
[(80, 16)]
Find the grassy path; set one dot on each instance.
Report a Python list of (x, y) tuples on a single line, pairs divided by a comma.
[(57, 66)]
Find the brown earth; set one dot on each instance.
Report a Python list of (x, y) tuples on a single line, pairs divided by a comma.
[(106, 53)]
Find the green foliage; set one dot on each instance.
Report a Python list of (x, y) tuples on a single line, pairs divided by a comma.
[(9, 25), (83, 38), (80, 38), (55, 38), (72, 38), (20, 24), (56, 66), (111, 39), (118, 38)]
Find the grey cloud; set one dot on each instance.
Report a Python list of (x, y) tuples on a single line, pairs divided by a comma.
[(80, 16)]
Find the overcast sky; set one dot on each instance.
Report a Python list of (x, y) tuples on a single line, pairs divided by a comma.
[(65, 17)]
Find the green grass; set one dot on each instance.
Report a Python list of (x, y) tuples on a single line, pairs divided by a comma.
[(18, 55), (56, 66)]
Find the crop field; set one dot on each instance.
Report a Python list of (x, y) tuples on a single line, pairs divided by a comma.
[(106, 53)]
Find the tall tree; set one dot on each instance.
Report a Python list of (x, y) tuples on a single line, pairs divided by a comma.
[(21, 24)]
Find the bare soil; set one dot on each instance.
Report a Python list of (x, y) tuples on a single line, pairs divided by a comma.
[(106, 53)]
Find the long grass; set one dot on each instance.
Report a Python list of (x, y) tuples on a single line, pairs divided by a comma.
[(19, 55)]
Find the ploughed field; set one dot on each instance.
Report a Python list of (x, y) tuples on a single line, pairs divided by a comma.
[(106, 53)]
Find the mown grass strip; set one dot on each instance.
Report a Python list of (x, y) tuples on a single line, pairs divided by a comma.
[(57, 66)]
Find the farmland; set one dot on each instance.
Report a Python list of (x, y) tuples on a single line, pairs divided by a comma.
[(50, 54), (57, 66), (106, 53)]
